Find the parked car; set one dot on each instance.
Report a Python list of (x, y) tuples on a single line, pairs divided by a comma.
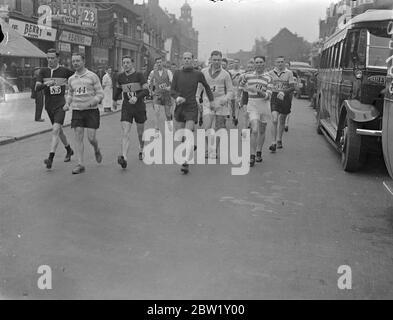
[(306, 79)]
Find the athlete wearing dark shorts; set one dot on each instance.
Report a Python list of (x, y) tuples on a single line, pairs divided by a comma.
[(52, 80), (54, 95), (281, 106), (86, 119), (183, 89), (131, 85), (185, 84)]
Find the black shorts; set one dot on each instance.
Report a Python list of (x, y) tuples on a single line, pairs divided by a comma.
[(56, 115), (85, 119), (129, 113), (186, 114), (162, 99), (281, 106)]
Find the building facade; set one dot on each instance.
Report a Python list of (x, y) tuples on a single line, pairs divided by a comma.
[(287, 44)]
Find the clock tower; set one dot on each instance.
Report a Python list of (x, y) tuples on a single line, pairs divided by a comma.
[(186, 15)]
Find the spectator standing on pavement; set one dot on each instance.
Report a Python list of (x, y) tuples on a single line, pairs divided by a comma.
[(38, 96), (108, 90), (85, 93), (53, 81)]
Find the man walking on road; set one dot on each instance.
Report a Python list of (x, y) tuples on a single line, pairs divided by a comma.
[(283, 87), (53, 80), (160, 79), (183, 90), (258, 86), (84, 95), (236, 73), (221, 86), (133, 86)]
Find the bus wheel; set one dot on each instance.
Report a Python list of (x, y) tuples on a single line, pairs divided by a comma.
[(350, 144)]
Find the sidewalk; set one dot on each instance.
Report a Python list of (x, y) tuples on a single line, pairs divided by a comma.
[(17, 120)]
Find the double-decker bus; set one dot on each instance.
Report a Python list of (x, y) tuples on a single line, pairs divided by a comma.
[(350, 84)]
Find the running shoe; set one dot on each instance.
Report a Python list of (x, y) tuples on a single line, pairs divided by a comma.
[(98, 156), (286, 128), (184, 168), (122, 162), (252, 160), (259, 156), (279, 144), (48, 163), (68, 156), (78, 169), (273, 147)]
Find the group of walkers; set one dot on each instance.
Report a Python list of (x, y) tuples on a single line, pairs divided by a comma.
[(213, 95)]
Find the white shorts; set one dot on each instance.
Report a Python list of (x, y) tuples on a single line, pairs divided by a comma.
[(259, 110)]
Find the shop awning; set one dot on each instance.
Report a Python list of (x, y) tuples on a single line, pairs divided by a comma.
[(15, 45)]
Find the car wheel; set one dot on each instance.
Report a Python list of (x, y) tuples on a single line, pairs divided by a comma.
[(350, 145)]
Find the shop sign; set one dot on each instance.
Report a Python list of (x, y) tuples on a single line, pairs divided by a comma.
[(76, 38), (32, 30), (64, 47), (74, 15), (103, 42)]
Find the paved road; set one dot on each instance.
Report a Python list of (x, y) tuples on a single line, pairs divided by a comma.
[(148, 232)]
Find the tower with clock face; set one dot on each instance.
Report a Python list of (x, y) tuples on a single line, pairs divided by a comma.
[(186, 15)]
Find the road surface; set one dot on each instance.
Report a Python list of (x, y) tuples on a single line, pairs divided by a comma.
[(281, 232)]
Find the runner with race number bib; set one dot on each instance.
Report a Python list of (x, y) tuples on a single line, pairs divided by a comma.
[(258, 86), (283, 87), (84, 95), (134, 88), (161, 79), (220, 83), (53, 80)]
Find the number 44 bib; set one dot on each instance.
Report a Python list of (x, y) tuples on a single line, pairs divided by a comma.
[(80, 91)]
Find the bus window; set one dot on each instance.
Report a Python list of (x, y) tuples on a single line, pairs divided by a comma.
[(330, 58), (362, 45), (340, 50), (350, 50), (336, 55), (378, 51)]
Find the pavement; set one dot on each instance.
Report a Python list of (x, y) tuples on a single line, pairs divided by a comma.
[(280, 232), (17, 119)]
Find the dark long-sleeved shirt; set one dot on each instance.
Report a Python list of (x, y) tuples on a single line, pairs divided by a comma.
[(185, 84)]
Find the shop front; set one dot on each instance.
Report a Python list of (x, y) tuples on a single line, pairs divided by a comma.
[(102, 53), (71, 42), (20, 68), (125, 48)]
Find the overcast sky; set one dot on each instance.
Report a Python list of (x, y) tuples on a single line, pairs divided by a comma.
[(231, 25)]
